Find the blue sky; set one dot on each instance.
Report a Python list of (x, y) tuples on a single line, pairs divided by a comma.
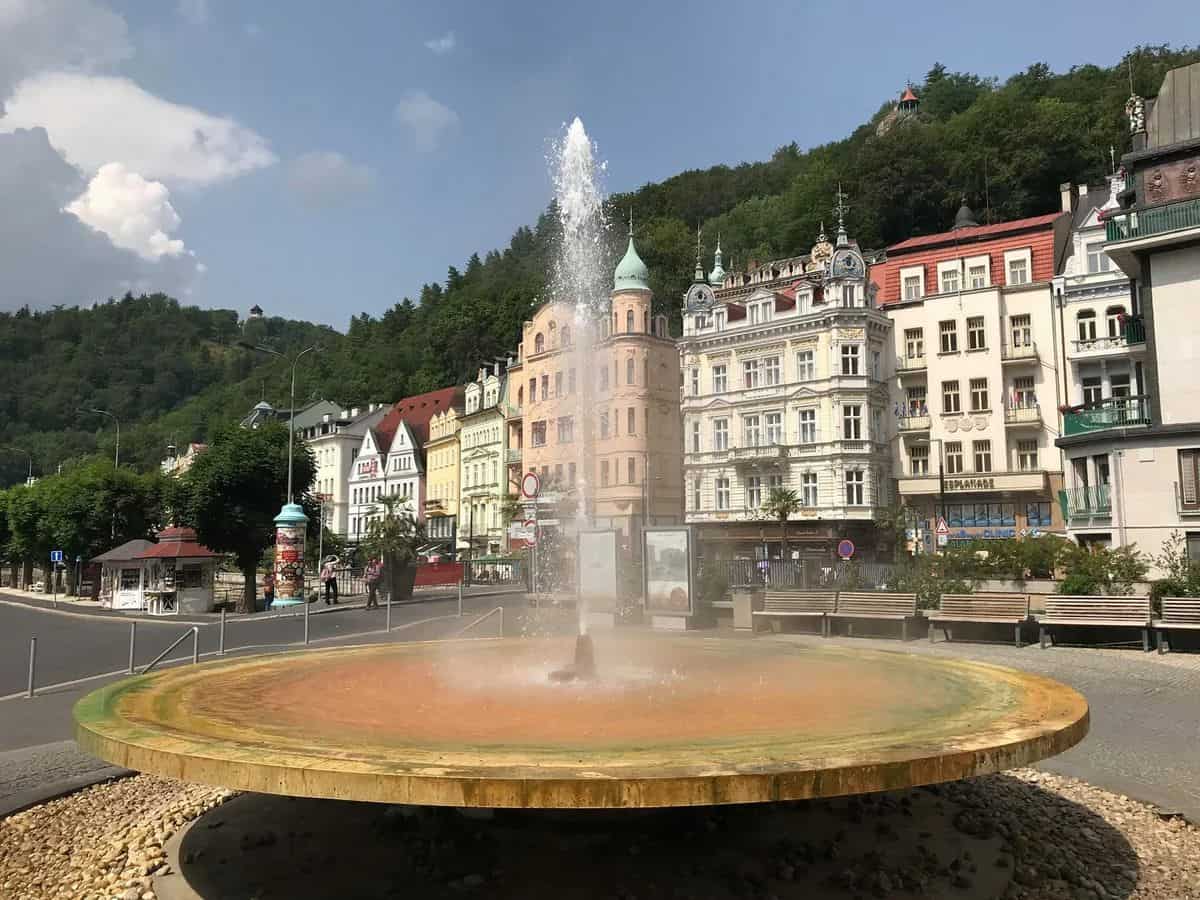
[(364, 147)]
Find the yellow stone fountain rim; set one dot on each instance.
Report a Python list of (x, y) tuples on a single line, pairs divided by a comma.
[(936, 720)]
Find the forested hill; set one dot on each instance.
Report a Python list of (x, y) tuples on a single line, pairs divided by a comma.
[(171, 372)]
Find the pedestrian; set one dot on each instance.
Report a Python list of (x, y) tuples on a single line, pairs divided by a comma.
[(329, 578), (268, 590), (373, 575)]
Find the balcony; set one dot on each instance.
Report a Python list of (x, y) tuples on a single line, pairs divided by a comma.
[(1135, 330), (1130, 336), (1090, 502), (1115, 412), (913, 423), (512, 456), (758, 451), (1141, 223), (1023, 415), (910, 364), (1019, 353)]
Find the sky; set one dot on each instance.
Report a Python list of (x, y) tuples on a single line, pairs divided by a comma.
[(324, 160)]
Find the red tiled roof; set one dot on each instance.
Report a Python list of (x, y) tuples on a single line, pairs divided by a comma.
[(177, 543), (963, 235), (415, 411), (908, 94)]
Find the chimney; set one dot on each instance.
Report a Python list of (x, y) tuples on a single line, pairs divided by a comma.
[(496, 368), (1065, 190)]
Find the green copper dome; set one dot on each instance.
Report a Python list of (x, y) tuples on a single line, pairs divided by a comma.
[(631, 274)]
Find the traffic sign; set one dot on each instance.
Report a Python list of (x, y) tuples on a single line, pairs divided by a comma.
[(531, 485), (942, 529), (845, 548), (943, 540), (56, 556)]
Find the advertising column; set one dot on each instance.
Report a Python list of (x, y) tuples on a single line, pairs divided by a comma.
[(290, 527)]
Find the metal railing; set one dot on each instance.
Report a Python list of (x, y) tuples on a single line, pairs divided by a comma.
[(1113, 412), (499, 610), (1157, 220), (1015, 352), (1185, 507), (1135, 330), (910, 363), (1085, 502), (194, 632), (803, 574), (913, 423), (505, 571), (1016, 415)]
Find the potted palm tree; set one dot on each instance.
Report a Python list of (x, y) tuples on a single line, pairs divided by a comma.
[(395, 537), (781, 504)]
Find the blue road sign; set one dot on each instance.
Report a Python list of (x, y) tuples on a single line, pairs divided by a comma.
[(56, 556)]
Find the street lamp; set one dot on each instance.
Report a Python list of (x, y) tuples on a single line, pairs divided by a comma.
[(105, 412), (291, 523), (941, 476), (29, 476)]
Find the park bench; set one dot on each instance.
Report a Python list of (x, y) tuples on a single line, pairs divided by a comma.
[(799, 605), (886, 607), (1095, 612), (1178, 614), (989, 608)]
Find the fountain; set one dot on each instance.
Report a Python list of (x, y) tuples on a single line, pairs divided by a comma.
[(665, 721)]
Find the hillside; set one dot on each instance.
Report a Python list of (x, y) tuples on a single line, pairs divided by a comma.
[(171, 372)]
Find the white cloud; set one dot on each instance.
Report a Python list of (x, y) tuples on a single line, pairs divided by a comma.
[(94, 119), (442, 45), (36, 35), (426, 117), (325, 178), (136, 214), (194, 12)]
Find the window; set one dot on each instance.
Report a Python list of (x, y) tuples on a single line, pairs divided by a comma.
[(876, 368), (912, 287), (720, 434), (696, 436), (914, 343), (538, 434), (722, 485), (131, 579), (1085, 323), (855, 479), (546, 387), (1091, 390), (949, 279), (852, 422), (949, 335), (533, 390), (1023, 395), (1037, 514), (979, 395), (983, 455), (850, 359), (954, 458), (750, 431), (1018, 270), (1118, 384), (1112, 320), (977, 275), (629, 320), (1097, 259), (1189, 480), (950, 398), (806, 369), (1021, 329), (695, 493), (695, 381), (571, 382), (808, 489), (808, 426), (565, 337), (604, 473), (771, 375), (750, 373), (629, 366), (976, 338), (604, 377), (918, 459), (539, 343), (566, 430), (719, 319), (1027, 455), (520, 397), (719, 381), (753, 492), (558, 384), (631, 421), (631, 467), (876, 425), (774, 428)]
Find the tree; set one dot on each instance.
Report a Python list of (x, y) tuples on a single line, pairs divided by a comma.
[(234, 490), (781, 504), (395, 537), (1102, 570)]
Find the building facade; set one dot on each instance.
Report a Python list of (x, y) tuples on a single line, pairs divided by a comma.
[(483, 477), (335, 442), (784, 370), (442, 474), (1136, 448), (974, 385)]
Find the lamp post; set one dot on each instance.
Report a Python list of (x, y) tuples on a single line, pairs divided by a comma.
[(105, 412), (291, 524)]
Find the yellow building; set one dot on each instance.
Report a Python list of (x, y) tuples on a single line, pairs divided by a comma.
[(442, 473)]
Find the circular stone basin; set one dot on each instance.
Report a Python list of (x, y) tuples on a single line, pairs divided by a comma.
[(668, 721)]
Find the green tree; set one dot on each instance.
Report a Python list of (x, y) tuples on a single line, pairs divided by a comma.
[(781, 504), (234, 490), (395, 537), (1102, 570)]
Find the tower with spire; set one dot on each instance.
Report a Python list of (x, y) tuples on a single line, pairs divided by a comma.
[(717, 276)]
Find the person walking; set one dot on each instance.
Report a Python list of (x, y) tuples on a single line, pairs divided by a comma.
[(373, 575), (268, 590), (329, 579)]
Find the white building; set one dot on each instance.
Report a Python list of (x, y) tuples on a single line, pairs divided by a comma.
[(336, 442), (483, 480), (784, 371)]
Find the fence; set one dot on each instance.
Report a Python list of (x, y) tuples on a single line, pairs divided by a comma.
[(498, 571), (805, 574)]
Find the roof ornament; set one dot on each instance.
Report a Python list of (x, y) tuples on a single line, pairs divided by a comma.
[(840, 209), (717, 276), (699, 273)]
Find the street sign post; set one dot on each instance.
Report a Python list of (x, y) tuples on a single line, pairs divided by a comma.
[(845, 548), (56, 556), (942, 528), (531, 485)]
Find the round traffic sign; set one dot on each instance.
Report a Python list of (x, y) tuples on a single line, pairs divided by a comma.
[(845, 548), (531, 485)]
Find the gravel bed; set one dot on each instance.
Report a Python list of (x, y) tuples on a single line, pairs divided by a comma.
[(103, 842)]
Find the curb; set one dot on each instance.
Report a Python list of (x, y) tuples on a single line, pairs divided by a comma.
[(17, 803)]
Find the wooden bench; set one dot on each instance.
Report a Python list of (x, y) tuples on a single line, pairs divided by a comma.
[(1178, 614), (1095, 612), (889, 607), (995, 609), (800, 605)]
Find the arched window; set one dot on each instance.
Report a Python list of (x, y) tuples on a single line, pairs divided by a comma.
[(520, 397), (629, 320), (1086, 322), (566, 336), (646, 321), (1112, 318), (539, 343)]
